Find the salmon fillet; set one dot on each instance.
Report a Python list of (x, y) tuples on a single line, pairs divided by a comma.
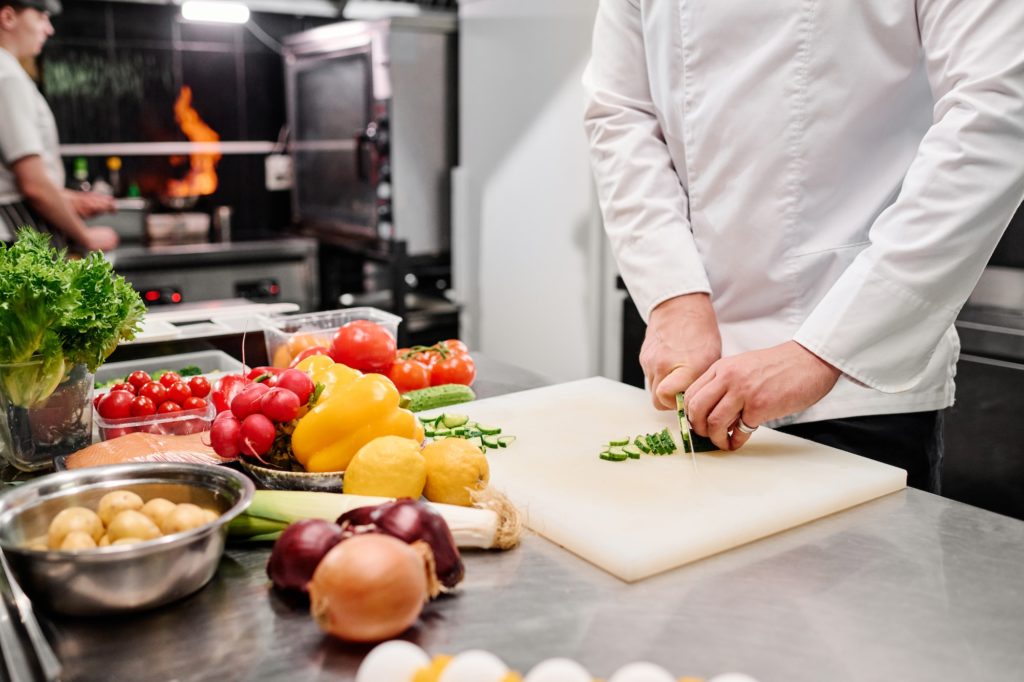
[(146, 447)]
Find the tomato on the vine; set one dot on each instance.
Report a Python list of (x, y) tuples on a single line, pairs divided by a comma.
[(409, 375), (365, 346), (456, 346), (457, 368)]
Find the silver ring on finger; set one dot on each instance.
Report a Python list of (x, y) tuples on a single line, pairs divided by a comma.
[(744, 427)]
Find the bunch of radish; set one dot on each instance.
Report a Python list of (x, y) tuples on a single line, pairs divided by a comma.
[(255, 412)]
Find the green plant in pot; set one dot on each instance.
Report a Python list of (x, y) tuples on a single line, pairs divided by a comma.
[(59, 320)]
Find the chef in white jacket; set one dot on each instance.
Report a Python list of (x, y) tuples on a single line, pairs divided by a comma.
[(800, 196)]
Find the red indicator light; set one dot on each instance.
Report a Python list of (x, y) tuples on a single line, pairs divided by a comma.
[(152, 295), (175, 297), (274, 289)]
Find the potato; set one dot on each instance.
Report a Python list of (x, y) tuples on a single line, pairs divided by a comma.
[(127, 541), (104, 541), (132, 524), (157, 509), (77, 540), (118, 501), (210, 515), (185, 516), (72, 519)]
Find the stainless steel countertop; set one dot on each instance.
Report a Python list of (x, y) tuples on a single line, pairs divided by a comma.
[(908, 587), (134, 257)]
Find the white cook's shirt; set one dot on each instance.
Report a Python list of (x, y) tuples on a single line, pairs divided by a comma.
[(832, 172), (27, 128)]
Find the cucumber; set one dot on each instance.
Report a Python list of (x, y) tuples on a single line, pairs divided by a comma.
[(505, 441), (454, 420), (437, 396), (489, 442), (620, 441), (489, 430)]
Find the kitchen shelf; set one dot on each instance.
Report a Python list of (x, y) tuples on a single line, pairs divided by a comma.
[(252, 147)]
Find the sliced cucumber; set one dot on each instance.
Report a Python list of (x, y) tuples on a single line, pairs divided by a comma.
[(454, 420), (490, 442), (621, 441), (505, 441), (489, 430)]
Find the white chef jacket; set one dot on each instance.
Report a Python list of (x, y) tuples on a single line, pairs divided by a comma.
[(27, 128), (837, 173)]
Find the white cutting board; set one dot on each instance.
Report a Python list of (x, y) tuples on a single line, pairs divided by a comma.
[(640, 517)]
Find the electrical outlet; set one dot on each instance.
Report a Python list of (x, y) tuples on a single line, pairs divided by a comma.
[(278, 172)]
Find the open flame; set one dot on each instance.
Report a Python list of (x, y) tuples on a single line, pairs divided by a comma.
[(202, 174)]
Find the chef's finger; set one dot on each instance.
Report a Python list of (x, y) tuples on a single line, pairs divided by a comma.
[(700, 404), (679, 379), (736, 437), (722, 417), (699, 383)]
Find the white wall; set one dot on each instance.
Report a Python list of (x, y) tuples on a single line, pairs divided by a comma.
[(529, 256)]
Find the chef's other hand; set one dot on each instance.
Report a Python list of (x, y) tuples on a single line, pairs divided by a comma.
[(89, 204), (757, 386), (100, 239), (681, 343)]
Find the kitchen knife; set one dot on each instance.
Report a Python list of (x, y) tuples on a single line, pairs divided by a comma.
[(684, 429)]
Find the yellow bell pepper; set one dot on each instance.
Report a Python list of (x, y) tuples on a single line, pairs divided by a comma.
[(315, 364), (352, 411)]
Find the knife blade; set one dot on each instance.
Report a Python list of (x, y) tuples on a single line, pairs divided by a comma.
[(684, 429)]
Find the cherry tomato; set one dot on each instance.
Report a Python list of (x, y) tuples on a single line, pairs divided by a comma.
[(110, 434), (96, 400), (143, 406), (365, 346), (225, 390), (456, 345), (308, 353), (200, 386), (115, 405), (138, 379), (455, 369), (409, 375), (178, 392), (168, 406), (193, 403), (168, 378), (155, 391), (124, 387)]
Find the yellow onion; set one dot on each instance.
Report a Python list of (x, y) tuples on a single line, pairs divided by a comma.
[(369, 588)]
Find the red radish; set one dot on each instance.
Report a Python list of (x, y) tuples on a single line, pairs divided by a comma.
[(258, 372), (257, 435), (225, 435), (248, 401), (296, 381), (280, 404)]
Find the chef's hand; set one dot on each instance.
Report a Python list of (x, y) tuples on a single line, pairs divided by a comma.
[(681, 343), (89, 204), (100, 239), (757, 386)]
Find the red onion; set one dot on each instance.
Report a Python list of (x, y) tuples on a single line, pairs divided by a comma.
[(410, 520), (298, 551)]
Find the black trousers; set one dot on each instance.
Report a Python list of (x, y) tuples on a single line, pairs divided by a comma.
[(911, 441)]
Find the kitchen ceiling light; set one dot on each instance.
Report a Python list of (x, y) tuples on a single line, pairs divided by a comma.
[(215, 12)]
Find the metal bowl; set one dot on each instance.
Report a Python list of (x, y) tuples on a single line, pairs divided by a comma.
[(126, 577)]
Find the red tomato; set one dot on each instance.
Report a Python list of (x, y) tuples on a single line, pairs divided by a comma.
[(115, 405), (138, 379), (257, 372), (409, 375), (427, 357), (193, 403), (365, 346), (123, 387), (143, 406), (168, 378), (456, 345), (155, 391), (308, 353), (178, 392), (455, 369), (200, 386), (110, 434), (225, 390), (168, 406)]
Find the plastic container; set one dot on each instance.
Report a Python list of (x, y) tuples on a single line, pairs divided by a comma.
[(208, 362), (288, 335), (168, 424)]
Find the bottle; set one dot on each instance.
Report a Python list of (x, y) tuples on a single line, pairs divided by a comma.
[(114, 174), (81, 175)]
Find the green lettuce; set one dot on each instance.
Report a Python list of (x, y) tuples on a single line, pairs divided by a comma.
[(56, 313)]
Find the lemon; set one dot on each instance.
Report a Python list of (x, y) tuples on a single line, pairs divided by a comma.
[(388, 466), (454, 468)]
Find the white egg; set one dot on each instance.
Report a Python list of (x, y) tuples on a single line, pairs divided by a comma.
[(732, 677), (641, 672), (558, 670), (394, 661), (474, 665)]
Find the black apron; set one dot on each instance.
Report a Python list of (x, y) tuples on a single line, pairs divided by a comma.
[(18, 215)]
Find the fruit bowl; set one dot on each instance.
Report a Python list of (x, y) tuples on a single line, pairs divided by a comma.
[(279, 479)]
